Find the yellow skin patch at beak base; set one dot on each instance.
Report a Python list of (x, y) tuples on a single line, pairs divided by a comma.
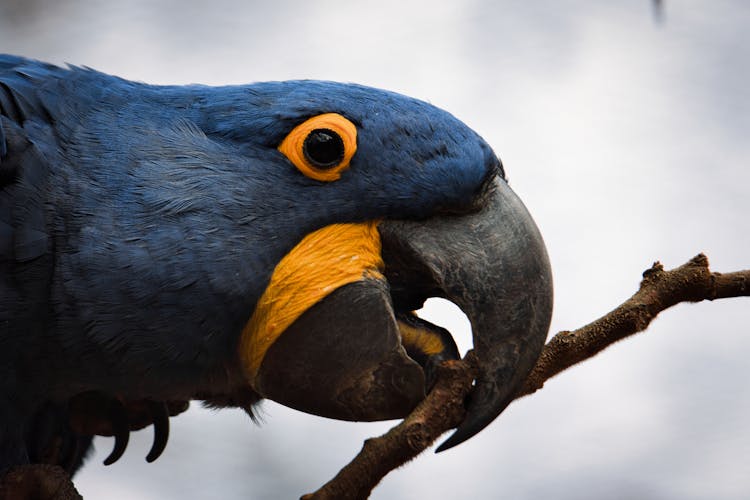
[(322, 262)]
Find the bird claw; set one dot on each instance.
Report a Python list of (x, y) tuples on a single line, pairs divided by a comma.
[(161, 429), (120, 430), (94, 413)]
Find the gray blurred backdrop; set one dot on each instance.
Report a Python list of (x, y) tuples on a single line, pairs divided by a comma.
[(626, 137)]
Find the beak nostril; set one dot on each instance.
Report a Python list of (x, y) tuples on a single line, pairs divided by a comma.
[(494, 169), (498, 167)]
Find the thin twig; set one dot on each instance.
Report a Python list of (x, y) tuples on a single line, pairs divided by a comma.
[(443, 408), (659, 290)]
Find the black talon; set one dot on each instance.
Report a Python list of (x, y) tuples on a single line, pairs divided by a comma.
[(120, 430), (161, 429)]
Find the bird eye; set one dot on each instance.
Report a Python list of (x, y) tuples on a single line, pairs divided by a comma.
[(321, 147), (324, 148)]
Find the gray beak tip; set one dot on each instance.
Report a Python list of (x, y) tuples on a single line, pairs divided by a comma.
[(482, 410)]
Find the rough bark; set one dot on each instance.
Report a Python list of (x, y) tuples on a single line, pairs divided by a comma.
[(443, 408), (37, 481)]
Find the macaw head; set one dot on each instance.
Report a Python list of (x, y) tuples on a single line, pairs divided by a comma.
[(390, 201), (274, 238)]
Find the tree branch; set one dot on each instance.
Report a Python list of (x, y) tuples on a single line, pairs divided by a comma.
[(443, 408), (659, 290)]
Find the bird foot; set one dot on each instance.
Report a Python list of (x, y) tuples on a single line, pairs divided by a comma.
[(94, 413)]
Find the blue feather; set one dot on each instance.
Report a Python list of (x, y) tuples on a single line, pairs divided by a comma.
[(150, 218)]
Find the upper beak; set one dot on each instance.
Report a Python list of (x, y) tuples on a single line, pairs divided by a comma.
[(492, 264), (343, 357)]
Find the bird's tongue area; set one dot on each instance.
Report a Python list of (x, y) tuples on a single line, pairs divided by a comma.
[(324, 339)]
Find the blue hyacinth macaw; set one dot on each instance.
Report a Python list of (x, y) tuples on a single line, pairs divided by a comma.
[(161, 244)]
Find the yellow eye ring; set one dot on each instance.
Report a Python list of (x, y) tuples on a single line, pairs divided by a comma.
[(322, 146)]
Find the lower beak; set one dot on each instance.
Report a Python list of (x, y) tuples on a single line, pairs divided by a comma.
[(343, 359)]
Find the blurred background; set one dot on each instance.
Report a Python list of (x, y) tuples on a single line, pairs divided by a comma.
[(624, 129)]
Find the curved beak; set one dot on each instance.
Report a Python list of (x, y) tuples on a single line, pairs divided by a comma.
[(492, 264), (359, 353)]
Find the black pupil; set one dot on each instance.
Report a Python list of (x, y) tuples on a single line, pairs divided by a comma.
[(324, 148)]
